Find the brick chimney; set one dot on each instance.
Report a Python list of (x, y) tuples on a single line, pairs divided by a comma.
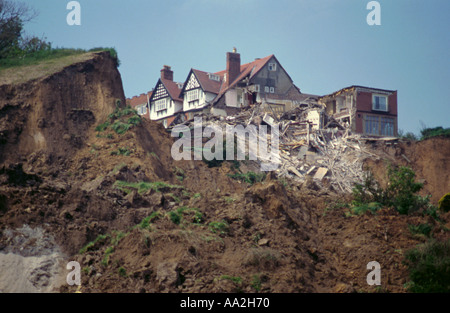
[(167, 73), (233, 66)]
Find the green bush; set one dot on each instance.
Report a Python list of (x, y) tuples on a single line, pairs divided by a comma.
[(434, 132), (429, 267), (444, 203), (402, 189), (401, 192)]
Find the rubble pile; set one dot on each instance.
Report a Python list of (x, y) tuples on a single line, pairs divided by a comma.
[(330, 156)]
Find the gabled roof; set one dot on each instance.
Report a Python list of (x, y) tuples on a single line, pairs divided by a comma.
[(203, 78), (247, 70), (171, 87), (208, 84)]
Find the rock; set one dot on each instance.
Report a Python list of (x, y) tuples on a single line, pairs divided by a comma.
[(166, 274), (263, 242)]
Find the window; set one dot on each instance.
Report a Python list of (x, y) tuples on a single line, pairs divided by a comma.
[(160, 105), (379, 125), (387, 126), (266, 89), (192, 95), (371, 125), (272, 90), (257, 88), (379, 103), (272, 67), (214, 77)]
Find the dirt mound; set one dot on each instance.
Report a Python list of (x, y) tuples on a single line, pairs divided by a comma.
[(428, 158)]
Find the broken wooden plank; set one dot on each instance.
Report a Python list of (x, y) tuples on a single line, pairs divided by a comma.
[(321, 172), (294, 170)]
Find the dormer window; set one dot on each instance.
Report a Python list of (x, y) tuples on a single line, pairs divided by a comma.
[(214, 77), (272, 67)]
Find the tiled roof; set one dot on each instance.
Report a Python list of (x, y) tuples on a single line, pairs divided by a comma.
[(172, 89), (141, 99), (208, 84), (248, 69)]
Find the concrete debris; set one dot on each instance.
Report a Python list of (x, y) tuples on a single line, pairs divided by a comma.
[(311, 144)]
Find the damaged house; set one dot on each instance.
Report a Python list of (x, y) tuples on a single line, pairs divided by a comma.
[(365, 110), (264, 81), (223, 93)]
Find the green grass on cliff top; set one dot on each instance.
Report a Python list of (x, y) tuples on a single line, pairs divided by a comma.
[(44, 63)]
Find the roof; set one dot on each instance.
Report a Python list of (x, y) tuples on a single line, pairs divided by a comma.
[(248, 69), (208, 84), (141, 99), (172, 89)]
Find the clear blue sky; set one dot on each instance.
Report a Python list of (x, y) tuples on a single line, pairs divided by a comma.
[(324, 45)]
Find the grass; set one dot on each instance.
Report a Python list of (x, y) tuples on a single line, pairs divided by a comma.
[(91, 245), (421, 230), (142, 187), (221, 228), (429, 267), (145, 223), (178, 215), (121, 151), (249, 177), (43, 63)]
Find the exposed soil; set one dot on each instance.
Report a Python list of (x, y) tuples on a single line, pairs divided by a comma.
[(273, 236)]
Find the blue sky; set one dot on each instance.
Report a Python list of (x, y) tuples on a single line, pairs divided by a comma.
[(324, 45)]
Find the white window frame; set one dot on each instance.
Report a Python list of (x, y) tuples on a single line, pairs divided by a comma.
[(267, 89), (272, 89), (380, 96), (272, 67), (161, 104), (257, 88), (193, 95)]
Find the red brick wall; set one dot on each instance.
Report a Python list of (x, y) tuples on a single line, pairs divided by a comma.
[(364, 106)]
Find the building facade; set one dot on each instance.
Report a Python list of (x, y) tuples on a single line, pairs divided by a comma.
[(366, 110)]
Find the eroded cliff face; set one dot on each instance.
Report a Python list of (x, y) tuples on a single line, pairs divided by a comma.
[(54, 113)]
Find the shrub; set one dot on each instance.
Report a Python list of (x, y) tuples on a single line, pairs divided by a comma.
[(444, 203), (402, 189), (122, 272), (421, 229), (433, 132), (429, 267), (400, 192)]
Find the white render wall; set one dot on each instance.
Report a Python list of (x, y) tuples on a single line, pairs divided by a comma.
[(203, 99), (172, 108)]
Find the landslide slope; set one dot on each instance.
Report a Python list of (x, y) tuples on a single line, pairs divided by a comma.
[(114, 200)]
